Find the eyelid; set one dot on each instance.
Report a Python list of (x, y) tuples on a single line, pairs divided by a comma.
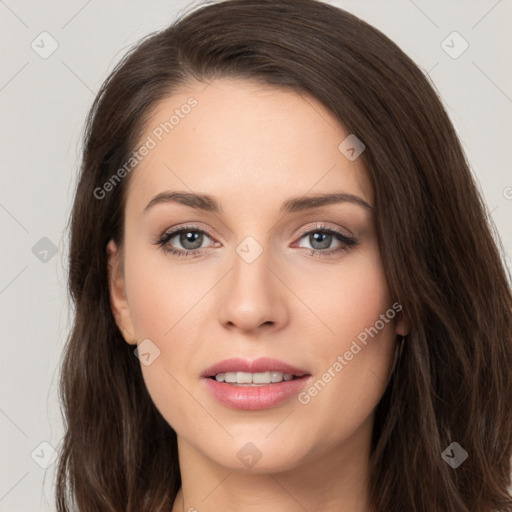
[(344, 238), (323, 226), (195, 227), (304, 230)]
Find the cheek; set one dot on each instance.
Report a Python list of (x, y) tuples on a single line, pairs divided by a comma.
[(346, 391), (159, 295), (345, 299), (163, 301), (356, 353)]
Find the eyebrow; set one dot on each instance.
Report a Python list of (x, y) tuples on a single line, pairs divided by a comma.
[(208, 203)]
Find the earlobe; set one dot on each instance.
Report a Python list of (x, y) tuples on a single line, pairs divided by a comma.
[(118, 300), (402, 324)]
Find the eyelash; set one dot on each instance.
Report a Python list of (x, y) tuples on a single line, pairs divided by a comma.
[(194, 253)]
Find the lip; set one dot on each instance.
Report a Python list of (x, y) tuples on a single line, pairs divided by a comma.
[(254, 398), (263, 364)]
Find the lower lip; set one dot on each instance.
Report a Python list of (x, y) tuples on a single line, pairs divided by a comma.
[(253, 398)]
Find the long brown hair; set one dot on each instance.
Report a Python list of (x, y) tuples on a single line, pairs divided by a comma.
[(439, 249)]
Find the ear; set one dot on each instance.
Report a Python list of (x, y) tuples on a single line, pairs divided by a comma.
[(401, 329), (402, 326), (118, 300)]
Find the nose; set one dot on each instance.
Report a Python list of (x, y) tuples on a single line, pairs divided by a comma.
[(253, 297)]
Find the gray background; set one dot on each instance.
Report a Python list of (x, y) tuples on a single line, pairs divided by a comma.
[(43, 105)]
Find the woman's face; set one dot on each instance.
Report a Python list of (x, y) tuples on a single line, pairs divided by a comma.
[(261, 280)]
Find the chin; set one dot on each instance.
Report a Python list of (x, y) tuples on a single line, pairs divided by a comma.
[(254, 458)]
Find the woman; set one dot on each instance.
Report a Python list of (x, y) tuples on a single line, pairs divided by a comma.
[(287, 292)]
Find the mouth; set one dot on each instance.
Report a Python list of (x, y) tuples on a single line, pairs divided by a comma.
[(254, 379), (263, 370), (254, 385)]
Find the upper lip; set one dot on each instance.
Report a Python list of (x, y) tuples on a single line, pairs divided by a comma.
[(263, 364)]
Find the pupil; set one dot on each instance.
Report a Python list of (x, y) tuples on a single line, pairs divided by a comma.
[(324, 243), (193, 238)]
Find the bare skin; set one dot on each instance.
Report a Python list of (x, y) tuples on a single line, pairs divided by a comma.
[(253, 147)]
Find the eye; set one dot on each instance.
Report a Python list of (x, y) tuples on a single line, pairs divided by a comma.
[(321, 239), (190, 238)]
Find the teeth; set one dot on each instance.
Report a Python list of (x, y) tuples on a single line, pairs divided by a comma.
[(253, 378)]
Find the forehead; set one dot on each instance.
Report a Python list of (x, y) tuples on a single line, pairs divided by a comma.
[(243, 141)]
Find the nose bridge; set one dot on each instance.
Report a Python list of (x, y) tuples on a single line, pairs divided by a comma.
[(252, 296), (250, 268)]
